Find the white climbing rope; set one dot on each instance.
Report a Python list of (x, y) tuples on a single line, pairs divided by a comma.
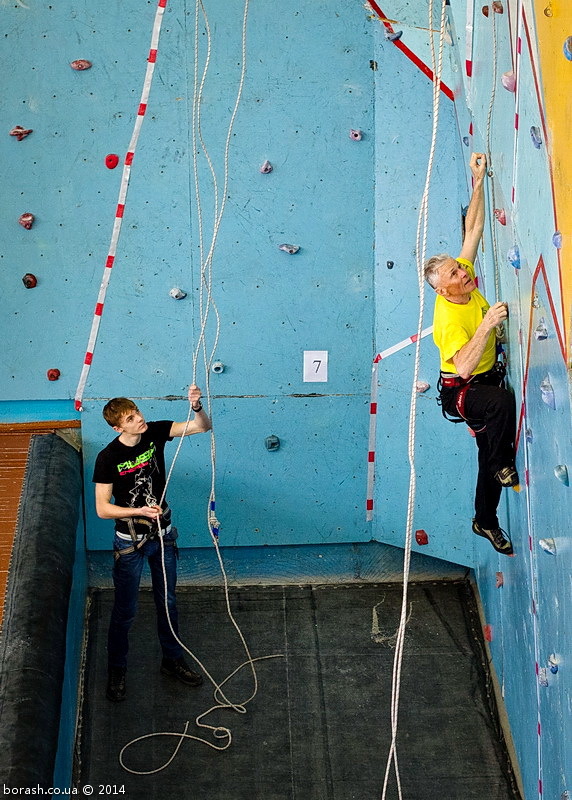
[(205, 304), (421, 248), (490, 168)]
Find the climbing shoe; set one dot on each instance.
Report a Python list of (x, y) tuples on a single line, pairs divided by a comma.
[(116, 684), (496, 536), (178, 668), (507, 476)]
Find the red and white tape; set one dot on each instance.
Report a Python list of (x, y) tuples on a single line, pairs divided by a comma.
[(151, 59), (373, 413)]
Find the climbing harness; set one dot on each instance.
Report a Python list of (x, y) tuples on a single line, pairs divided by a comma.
[(152, 536), (451, 381)]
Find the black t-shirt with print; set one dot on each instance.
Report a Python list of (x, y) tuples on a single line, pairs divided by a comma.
[(137, 474)]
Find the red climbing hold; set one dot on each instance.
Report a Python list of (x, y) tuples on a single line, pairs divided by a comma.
[(488, 632), (111, 161), (80, 64), (421, 537), (20, 133), (500, 580), (53, 374), (30, 281), (500, 215), (497, 7), (26, 220), (485, 10)]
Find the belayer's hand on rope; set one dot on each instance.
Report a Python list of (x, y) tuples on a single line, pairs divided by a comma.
[(195, 397), (152, 512)]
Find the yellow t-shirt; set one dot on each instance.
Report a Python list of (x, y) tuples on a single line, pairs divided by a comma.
[(454, 324)]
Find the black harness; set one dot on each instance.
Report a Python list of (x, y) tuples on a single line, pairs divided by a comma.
[(449, 382)]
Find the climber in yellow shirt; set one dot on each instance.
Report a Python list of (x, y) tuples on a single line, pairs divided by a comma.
[(472, 380)]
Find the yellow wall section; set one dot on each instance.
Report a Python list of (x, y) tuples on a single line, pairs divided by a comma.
[(556, 77)]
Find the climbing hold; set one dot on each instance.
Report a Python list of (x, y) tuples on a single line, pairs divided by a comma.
[(272, 442), (557, 240), (289, 248), (53, 374), (565, 795), (553, 662), (542, 676), (528, 435), (547, 393), (422, 386), (392, 36), (548, 545), (390, 264), (485, 10), (541, 331), (176, 293), (561, 472), (490, 173), (355, 135), (508, 80), (536, 137), (488, 632), (500, 215), (80, 64), (535, 302), (421, 537), (20, 133), (111, 161), (498, 7), (217, 367), (466, 141), (513, 257), (30, 281), (266, 168), (568, 48), (500, 580), (26, 220)]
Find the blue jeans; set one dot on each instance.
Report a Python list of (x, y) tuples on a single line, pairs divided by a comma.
[(126, 578)]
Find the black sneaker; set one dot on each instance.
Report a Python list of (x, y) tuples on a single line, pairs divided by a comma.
[(496, 536), (507, 476), (178, 668), (116, 684)]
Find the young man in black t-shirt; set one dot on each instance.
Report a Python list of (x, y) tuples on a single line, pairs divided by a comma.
[(131, 470)]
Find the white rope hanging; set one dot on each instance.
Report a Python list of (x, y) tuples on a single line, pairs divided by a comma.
[(421, 248), (206, 303)]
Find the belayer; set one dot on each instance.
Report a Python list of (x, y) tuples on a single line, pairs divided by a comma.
[(471, 383), (129, 477)]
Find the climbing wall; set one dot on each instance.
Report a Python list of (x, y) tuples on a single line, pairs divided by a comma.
[(314, 275)]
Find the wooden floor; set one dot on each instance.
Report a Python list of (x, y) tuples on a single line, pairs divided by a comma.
[(13, 456), (14, 445)]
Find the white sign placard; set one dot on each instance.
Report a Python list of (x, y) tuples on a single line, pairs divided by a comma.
[(315, 366)]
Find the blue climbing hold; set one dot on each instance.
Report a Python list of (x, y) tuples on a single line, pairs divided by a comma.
[(513, 257), (466, 141), (557, 240), (541, 331), (547, 393), (536, 137), (561, 472), (393, 36), (568, 48), (548, 545)]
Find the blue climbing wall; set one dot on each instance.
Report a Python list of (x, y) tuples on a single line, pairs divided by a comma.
[(314, 72)]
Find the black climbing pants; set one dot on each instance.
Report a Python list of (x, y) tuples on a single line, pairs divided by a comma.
[(490, 411)]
